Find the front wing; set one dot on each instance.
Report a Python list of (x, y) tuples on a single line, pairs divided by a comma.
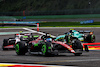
[(8, 46)]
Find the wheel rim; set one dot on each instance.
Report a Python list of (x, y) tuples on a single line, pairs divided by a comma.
[(92, 38), (17, 48), (44, 49)]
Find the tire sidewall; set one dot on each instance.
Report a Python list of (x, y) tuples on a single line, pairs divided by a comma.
[(45, 49), (21, 48), (90, 38), (77, 46)]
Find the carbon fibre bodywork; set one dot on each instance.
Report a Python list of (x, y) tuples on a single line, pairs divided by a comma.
[(44, 47)]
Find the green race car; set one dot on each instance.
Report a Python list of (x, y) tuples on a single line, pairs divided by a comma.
[(80, 35)]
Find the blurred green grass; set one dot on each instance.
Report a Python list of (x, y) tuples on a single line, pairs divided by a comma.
[(59, 24), (68, 24), (62, 24), (60, 16)]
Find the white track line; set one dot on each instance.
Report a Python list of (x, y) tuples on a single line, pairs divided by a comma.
[(51, 27), (43, 28), (37, 32), (8, 33)]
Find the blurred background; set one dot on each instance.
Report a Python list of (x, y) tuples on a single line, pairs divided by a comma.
[(48, 7)]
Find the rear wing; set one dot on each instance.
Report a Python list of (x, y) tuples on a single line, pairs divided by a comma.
[(87, 31)]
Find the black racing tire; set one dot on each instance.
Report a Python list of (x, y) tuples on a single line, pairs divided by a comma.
[(21, 48), (45, 49), (90, 38), (77, 47), (4, 48), (21, 38), (5, 43), (86, 48), (93, 38)]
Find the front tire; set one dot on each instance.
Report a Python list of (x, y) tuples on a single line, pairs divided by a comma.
[(46, 49), (21, 48)]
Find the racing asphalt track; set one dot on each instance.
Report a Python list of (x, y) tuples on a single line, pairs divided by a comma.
[(87, 59)]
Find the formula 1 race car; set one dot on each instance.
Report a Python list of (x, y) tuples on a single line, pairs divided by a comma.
[(47, 46), (11, 42), (80, 35)]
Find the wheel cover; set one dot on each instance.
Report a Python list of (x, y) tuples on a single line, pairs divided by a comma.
[(44, 49), (92, 38), (17, 48)]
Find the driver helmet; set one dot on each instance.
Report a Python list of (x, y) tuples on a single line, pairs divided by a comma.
[(48, 35), (21, 32), (71, 30), (49, 39)]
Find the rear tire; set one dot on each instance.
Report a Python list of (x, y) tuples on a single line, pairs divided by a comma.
[(5, 43), (90, 38), (21, 48)]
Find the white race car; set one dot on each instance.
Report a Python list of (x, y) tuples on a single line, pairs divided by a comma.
[(11, 42)]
